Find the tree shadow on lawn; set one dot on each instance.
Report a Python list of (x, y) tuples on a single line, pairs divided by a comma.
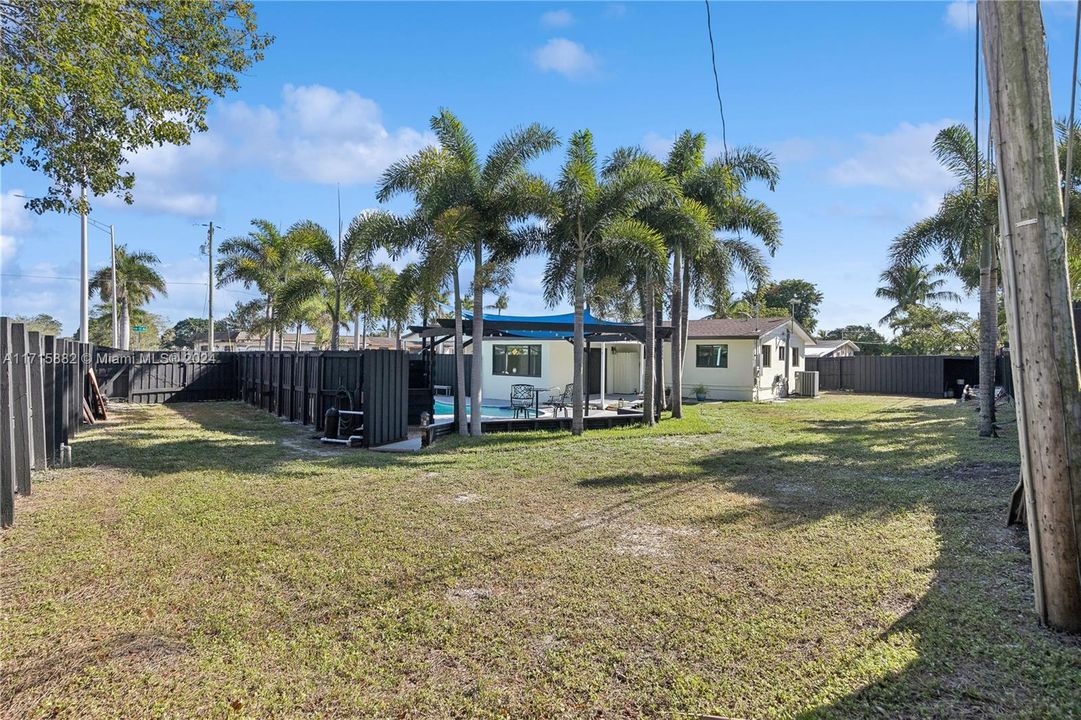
[(979, 650)]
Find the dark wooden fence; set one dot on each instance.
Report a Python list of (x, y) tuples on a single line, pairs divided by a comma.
[(443, 372), (42, 386), (917, 375), (301, 387), (151, 377)]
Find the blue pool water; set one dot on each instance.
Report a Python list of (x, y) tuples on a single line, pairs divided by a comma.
[(446, 407)]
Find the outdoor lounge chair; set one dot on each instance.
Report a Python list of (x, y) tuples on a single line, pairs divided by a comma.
[(521, 399)]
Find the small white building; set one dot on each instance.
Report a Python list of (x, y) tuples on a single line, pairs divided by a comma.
[(732, 359), (833, 348)]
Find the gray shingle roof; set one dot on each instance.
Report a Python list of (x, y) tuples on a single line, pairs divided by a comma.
[(733, 327)]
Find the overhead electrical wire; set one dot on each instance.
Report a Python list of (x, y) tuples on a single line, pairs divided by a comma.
[(717, 81)]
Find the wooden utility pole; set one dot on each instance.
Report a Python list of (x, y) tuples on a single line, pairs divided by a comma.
[(1038, 307)]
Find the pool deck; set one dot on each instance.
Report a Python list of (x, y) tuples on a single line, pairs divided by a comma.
[(596, 419)]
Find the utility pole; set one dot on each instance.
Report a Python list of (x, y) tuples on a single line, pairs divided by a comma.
[(1038, 304), (112, 259), (210, 286), (84, 275)]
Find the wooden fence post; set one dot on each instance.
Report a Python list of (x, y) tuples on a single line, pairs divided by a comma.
[(48, 369), (20, 396), (37, 399), (7, 428)]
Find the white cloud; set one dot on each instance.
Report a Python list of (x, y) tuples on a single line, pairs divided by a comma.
[(316, 134), (565, 57), (7, 248), (900, 159), (322, 135), (15, 220), (961, 14), (557, 18)]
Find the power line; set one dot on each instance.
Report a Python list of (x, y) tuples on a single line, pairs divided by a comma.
[(717, 81), (167, 282)]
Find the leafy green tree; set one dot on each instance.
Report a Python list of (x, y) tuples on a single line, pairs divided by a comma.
[(101, 327), (42, 323), (909, 285), (87, 83), (137, 281), (933, 330), (779, 294), (596, 215), (191, 331), (499, 194), (871, 341)]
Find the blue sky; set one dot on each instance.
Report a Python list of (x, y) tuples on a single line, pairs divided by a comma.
[(847, 95)]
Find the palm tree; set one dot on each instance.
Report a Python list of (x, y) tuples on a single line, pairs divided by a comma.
[(592, 213), (963, 232), (137, 281), (910, 285), (499, 194), (704, 262), (328, 265), (264, 258)]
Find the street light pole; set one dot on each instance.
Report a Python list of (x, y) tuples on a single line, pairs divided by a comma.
[(84, 276), (112, 259), (210, 285)]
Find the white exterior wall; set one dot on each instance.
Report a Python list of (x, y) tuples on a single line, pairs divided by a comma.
[(557, 367), (776, 339), (623, 370), (734, 382)]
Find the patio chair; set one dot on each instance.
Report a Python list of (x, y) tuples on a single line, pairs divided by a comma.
[(564, 401), (521, 399)]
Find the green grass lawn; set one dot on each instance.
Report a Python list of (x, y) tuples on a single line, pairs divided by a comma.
[(840, 557)]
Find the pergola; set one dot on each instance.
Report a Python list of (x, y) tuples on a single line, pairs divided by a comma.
[(541, 327)]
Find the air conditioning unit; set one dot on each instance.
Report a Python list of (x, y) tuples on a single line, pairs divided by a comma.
[(806, 383)]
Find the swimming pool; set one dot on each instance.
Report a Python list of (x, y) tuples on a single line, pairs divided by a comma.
[(446, 407)]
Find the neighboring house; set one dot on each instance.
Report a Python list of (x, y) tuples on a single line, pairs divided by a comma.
[(733, 359), (833, 348)]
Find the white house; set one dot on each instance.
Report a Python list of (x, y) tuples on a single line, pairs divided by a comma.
[(732, 359), (833, 348)]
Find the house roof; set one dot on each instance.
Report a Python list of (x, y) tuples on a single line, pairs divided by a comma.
[(827, 347), (738, 328), (542, 327)]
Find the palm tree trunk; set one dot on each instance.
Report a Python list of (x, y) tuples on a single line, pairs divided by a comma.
[(364, 334), (459, 359), (335, 330), (478, 339), (658, 353), (356, 332), (684, 318), (578, 410), (677, 325), (649, 367), (988, 334), (296, 339), (269, 314), (125, 324)]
